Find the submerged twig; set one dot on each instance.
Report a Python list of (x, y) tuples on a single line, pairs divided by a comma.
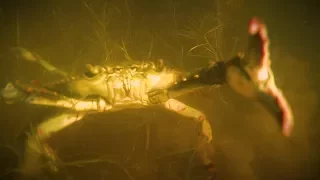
[(93, 14), (80, 163), (18, 27), (146, 148), (175, 153), (133, 147), (124, 49), (151, 47), (189, 165)]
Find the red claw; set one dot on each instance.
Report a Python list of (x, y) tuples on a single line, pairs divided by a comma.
[(259, 47), (258, 28), (287, 116), (254, 26)]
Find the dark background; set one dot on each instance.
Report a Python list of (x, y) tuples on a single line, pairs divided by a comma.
[(247, 140)]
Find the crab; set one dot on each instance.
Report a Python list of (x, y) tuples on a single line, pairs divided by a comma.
[(101, 89), (105, 88)]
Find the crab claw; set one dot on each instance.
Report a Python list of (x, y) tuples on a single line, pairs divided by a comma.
[(253, 77), (258, 65), (258, 48), (274, 101)]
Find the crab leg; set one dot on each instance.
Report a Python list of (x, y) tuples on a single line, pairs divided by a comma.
[(34, 57), (71, 103), (37, 146), (12, 93), (203, 146)]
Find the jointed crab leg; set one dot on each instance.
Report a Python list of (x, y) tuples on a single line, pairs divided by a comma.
[(71, 103), (34, 57), (37, 145), (12, 93), (205, 133)]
